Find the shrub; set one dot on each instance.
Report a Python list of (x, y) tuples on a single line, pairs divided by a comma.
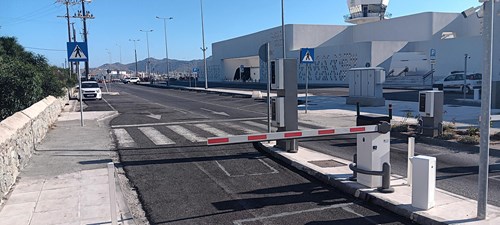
[(471, 140), (473, 131), (447, 136), (25, 78), (448, 127), (400, 127)]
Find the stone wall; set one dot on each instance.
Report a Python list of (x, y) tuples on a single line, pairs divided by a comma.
[(20, 133)]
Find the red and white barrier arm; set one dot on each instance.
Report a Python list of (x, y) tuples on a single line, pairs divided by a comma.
[(248, 138)]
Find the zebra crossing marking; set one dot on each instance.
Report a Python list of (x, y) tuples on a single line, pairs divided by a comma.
[(212, 130), (255, 124), (193, 137), (123, 138), (155, 136), (240, 128)]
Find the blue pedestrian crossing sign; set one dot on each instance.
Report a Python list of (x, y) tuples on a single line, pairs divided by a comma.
[(307, 55), (77, 51)]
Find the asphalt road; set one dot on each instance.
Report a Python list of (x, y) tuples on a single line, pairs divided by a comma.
[(182, 181), (457, 168)]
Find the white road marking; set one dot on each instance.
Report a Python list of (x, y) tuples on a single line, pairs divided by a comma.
[(212, 130), (215, 112), (273, 170), (186, 133), (240, 128), (185, 122), (255, 124), (155, 136), (124, 139), (241, 222)]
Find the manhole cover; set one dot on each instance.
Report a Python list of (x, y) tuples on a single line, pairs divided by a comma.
[(327, 163)]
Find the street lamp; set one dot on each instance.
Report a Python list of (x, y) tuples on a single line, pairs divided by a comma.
[(120, 47), (166, 45), (135, 51), (109, 55), (147, 42), (283, 27), (204, 49)]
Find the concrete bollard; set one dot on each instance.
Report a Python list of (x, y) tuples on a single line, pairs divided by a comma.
[(476, 95), (112, 192), (411, 153)]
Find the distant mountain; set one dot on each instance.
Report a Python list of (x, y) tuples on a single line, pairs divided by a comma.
[(157, 66)]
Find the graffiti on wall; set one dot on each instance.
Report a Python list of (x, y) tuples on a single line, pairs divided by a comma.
[(329, 68)]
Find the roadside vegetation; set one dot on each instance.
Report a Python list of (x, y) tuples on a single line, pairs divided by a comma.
[(468, 135), (26, 78)]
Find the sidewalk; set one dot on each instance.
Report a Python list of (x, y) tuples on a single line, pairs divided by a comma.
[(66, 180)]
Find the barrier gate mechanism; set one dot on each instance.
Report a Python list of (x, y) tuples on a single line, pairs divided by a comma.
[(371, 166), (249, 138)]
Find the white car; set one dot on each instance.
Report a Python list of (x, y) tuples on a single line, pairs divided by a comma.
[(91, 90), (134, 80), (455, 82)]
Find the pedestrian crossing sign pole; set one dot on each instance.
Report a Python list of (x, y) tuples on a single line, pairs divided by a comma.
[(307, 57), (78, 52)]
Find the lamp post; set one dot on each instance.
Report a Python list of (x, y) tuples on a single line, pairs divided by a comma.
[(135, 53), (204, 49), (147, 42), (166, 43), (283, 27), (120, 48)]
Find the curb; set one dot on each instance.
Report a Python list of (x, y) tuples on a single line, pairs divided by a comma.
[(352, 188)]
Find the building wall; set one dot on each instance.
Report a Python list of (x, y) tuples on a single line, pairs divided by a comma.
[(339, 48)]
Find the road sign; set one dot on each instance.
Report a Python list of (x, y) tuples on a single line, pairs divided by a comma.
[(433, 54), (196, 70), (77, 51), (307, 55)]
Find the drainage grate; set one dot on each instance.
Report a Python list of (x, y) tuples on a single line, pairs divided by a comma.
[(327, 163)]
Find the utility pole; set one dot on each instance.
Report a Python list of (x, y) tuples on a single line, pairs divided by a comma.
[(67, 3), (204, 49), (84, 15), (135, 51)]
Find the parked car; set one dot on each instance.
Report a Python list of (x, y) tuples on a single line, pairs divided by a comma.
[(134, 80), (126, 80), (455, 82), (91, 90)]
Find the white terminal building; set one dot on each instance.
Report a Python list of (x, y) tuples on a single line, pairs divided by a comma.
[(402, 46)]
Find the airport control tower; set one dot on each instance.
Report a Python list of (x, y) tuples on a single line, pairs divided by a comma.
[(365, 11)]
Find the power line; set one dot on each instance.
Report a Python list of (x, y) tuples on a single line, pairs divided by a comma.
[(46, 49)]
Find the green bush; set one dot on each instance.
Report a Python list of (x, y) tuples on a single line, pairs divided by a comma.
[(25, 78), (400, 127), (473, 131), (447, 135), (471, 140)]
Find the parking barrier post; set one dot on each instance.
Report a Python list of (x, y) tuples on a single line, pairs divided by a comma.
[(112, 192), (354, 176), (411, 153)]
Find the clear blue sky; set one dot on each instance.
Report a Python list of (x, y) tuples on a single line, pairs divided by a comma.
[(37, 27)]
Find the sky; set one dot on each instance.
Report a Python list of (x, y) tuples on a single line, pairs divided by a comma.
[(37, 26)]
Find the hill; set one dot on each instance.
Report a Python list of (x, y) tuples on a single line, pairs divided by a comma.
[(157, 66)]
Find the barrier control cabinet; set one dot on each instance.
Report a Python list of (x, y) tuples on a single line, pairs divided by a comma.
[(366, 86)]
